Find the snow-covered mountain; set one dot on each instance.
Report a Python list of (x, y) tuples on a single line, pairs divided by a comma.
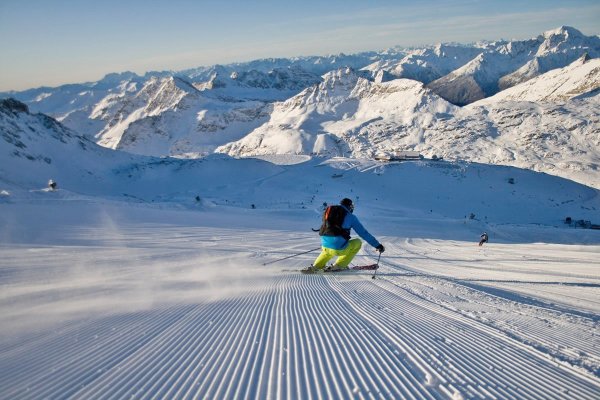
[(582, 77), (352, 116), (359, 105), (504, 64), (344, 115), (425, 64), (491, 66), (35, 148), (170, 116)]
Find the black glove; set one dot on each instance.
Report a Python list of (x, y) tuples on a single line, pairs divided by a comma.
[(380, 248)]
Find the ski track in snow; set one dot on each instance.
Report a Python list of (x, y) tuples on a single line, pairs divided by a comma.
[(250, 331)]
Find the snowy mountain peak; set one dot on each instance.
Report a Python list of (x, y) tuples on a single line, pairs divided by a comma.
[(335, 87), (343, 77), (340, 72), (563, 33), (167, 94), (217, 80), (569, 42)]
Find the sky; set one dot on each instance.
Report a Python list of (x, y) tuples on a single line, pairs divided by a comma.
[(53, 42)]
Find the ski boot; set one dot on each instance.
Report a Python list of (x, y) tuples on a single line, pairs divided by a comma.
[(310, 270), (335, 268)]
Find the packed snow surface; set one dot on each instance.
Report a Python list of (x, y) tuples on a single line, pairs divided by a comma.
[(140, 290)]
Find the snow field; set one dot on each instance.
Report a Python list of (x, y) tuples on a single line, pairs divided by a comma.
[(151, 303)]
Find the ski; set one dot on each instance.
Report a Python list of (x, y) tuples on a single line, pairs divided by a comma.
[(370, 267)]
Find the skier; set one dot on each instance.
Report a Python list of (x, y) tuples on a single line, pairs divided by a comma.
[(483, 238), (52, 184), (336, 241)]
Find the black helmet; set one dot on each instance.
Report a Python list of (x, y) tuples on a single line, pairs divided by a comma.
[(346, 202)]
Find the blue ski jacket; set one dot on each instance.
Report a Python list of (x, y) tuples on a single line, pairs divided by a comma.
[(350, 222)]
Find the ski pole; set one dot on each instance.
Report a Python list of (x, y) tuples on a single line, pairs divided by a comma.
[(293, 255), (375, 273)]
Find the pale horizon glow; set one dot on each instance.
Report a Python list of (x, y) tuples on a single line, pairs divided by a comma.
[(71, 41)]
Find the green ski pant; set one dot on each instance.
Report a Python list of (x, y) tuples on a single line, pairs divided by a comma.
[(345, 255)]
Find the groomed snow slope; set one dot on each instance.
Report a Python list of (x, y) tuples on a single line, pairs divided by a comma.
[(132, 288), (106, 300)]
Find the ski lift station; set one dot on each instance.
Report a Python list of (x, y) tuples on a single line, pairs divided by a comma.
[(399, 156)]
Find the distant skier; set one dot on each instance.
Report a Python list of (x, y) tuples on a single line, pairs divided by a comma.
[(52, 184), (483, 238), (336, 241)]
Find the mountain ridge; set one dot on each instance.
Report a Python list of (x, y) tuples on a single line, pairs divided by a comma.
[(359, 106)]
